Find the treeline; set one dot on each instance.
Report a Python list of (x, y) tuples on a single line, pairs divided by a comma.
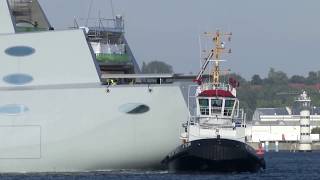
[(156, 67), (279, 77), (276, 90)]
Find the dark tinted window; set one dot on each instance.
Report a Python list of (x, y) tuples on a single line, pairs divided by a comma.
[(134, 108), (13, 109), (229, 103), (19, 51), (139, 109), (18, 79), (216, 102)]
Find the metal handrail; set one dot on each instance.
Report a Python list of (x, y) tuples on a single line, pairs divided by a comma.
[(216, 110), (208, 86), (104, 23)]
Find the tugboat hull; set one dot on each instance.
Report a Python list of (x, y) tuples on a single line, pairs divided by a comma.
[(214, 155)]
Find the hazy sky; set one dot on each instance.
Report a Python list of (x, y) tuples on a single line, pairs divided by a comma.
[(283, 34)]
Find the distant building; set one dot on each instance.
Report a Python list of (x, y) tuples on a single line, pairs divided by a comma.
[(282, 114), (280, 124)]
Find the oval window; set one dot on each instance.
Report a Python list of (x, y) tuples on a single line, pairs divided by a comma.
[(134, 108), (18, 79), (13, 109), (20, 51)]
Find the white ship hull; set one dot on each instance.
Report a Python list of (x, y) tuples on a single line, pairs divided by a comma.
[(56, 117), (86, 129)]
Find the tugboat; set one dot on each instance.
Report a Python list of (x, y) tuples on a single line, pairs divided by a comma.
[(214, 138)]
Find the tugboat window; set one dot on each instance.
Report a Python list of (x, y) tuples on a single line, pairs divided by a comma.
[(216, 105), (229, 103), (228, 107), (204, 106)]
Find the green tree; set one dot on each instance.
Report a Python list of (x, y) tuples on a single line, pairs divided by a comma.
[(312, 78), (277, 77), (154, 67), (297, 79), (256, 80), (242, 81)]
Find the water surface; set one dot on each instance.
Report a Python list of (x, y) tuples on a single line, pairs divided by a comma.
[(283, 165)]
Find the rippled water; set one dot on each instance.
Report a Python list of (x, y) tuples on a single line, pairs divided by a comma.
[(281, 165)]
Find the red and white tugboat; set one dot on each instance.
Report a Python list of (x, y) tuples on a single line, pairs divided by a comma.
[(214, 138)]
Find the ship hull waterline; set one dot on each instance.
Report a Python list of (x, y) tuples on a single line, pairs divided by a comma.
[(214, 156)]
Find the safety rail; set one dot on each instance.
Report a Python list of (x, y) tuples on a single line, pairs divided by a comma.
[(209, 86), (204, 110), (216, 110), (196, 119), (101, 24), (236, 120)]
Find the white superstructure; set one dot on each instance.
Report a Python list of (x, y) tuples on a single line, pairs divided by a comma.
[(217, 115), (56, 116)]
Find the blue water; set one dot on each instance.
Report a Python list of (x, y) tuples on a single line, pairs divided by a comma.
[(283, 165)]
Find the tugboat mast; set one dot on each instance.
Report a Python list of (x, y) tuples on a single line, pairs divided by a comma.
[(218, 51), (215, 55)]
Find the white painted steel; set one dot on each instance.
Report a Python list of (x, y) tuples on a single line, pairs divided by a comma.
[(84, 129), (5, 18), (82, 125), (60, 57)]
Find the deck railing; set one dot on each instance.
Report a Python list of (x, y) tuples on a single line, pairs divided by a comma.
[(208, 86)]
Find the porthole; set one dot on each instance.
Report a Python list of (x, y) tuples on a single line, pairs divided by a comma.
[(19, 51), (18, 79), (134, 108), (13, 109)]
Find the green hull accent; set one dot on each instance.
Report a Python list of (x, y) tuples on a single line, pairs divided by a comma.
[(113, 58)]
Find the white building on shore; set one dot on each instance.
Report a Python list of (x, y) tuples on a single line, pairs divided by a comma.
[(280, 124)]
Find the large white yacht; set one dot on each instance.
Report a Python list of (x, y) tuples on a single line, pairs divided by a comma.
[(57, 116)]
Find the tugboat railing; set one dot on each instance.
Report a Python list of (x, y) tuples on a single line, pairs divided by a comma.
[(222, 86), (197, 120), (234, 120), (226, 112)]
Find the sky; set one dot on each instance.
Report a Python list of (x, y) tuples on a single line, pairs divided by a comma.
[(271, 33)]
